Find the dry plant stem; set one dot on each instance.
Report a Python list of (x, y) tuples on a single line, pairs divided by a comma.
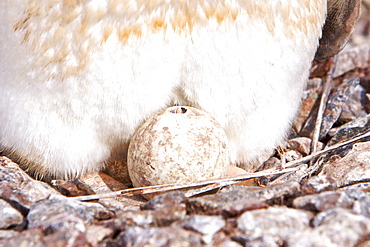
[(206, 186), (316, 167), (323, 100), (331, 148), (284, 175), (308, 172)]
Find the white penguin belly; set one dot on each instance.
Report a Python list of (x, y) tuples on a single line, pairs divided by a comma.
[(77, 78)]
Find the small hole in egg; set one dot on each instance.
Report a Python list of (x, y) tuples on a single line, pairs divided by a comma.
[(179, 110)]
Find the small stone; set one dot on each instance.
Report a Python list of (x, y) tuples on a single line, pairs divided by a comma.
[(72, 188), (359, 123), (89, 184), (342, 227), (335, 103), (317, 184), (208, 226), (20, 188), (159, 217), (126, 219), (267, 194), (165, 216), (323, 201), (354, 107), (344, 133), (227, 204), (308, 237), (165, 200), (353, 199), (265, 240), (154, 237), (276, 222), (271, 163), (203, 224), (96, 234), (353, 57), (9, 216), (65, 230), (276, 191), (361, 200), (30, 238), (45, 212), (354, 167), (302, 145)]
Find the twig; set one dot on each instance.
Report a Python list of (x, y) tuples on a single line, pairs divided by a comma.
[(316, 167), (277, 180), (323, 100), (331, 148), (208, 184)]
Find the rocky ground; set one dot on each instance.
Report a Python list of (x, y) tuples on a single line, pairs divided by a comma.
[(313, 192)]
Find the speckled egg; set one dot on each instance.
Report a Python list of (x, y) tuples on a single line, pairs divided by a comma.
[(181, 144)]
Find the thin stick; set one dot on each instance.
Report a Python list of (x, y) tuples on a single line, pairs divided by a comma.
[(309, 170), (277, 180), (323, 100), (211, 184), (331, 148)]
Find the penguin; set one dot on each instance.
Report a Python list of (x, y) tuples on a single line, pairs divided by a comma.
[(77, 78)]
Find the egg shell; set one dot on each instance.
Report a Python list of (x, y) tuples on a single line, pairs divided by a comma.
[(179, 145)]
